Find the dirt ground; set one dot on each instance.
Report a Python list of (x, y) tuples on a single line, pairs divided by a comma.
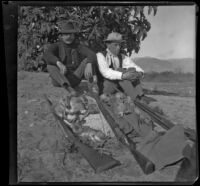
[(42, 147)]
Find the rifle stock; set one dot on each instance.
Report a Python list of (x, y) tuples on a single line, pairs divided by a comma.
[(98, 161), (145, 164)]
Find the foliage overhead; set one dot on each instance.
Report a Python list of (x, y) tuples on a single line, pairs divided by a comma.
[(39, 26)]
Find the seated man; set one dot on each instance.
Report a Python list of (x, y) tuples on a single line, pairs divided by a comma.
[(68, 60), (118, 69)]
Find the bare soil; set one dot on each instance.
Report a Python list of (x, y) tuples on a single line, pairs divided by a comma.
[(43, 153)]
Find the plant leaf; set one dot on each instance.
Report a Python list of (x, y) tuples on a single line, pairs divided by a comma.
[(144, 34), (91, 9), (136, 29), (155, 10), (150, 10)]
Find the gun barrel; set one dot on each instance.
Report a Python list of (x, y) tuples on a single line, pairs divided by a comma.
[(166, 124)]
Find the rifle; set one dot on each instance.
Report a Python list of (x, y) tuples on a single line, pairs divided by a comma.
[(146, 165), (166, 124), (98, 161)]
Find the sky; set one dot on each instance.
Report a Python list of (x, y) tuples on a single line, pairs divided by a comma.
[(172, 33)]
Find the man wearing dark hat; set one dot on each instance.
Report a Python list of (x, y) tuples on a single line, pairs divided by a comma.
[(118, 70), (67, 60)]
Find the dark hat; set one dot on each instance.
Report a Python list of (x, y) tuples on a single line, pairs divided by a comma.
[(114, 37), (67, 28)]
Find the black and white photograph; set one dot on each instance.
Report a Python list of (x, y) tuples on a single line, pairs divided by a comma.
[(106, 93)]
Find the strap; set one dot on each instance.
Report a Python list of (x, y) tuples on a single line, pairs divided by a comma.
[(120, 60)]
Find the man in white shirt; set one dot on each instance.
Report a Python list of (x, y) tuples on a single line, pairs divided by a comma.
[(118, 70)]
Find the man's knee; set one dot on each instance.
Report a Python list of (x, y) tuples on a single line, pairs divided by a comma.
[(52, 68), (83, 64), (58, 79), (130, 89), (109, 87)]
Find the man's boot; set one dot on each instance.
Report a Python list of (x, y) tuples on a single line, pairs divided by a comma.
[(69, 89)]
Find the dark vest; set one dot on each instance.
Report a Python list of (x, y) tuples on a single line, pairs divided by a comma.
[(120, 60), (70, 55)]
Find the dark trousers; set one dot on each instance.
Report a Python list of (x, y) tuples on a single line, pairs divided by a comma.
[(73, 79), (130, 88)]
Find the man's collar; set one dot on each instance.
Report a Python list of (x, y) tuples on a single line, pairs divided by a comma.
[(110, 53)]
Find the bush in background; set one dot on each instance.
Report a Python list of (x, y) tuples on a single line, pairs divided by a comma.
[(39, 27)]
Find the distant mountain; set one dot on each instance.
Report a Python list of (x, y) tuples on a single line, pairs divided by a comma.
[(151, 64), (185, 64)]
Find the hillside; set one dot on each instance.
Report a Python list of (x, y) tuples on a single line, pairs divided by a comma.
[(150, 64), (43, 151)]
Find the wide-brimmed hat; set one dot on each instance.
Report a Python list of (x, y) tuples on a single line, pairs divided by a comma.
[(67, 28), (114, 37)]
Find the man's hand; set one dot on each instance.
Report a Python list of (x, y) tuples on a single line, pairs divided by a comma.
[(62, 67), (132, 74), (129, 75), (88, 71)]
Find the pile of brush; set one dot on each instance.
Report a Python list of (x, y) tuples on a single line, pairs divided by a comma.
[(74, 109), (121, 104)]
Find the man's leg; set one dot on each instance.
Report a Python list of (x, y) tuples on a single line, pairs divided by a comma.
[(130, 89), (75, 77), (135, 91), (58, 79), (79, 72), (109, 87), (139, 89), (138, 86)]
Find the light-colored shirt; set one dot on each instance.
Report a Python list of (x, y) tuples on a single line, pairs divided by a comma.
[(112, 74)]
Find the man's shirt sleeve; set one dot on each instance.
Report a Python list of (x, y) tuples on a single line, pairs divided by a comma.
[(50, 56), (107, 72)]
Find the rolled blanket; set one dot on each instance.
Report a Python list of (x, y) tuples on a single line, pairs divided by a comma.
[(165, 149)]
